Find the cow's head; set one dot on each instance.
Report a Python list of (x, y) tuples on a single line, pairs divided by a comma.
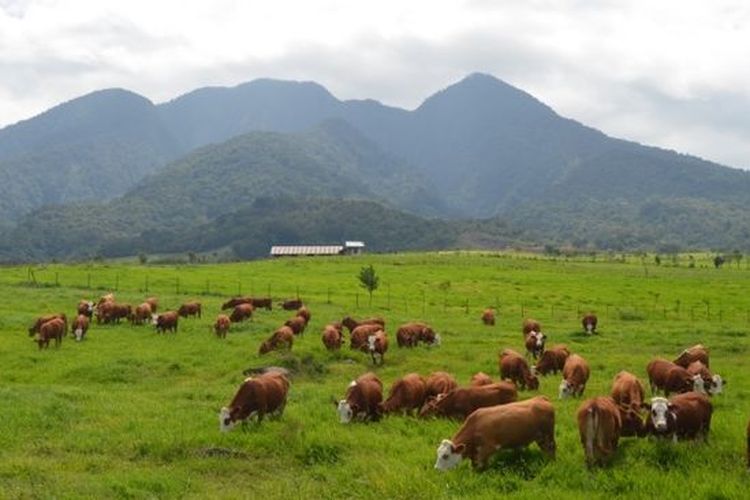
[(632, 423), (717, 385), (566, 389), (154, 319), (371, 342), (698, 384), (437, 339), (265, 348), (430, 407), (448, 455), (346, 411), (225, 420), (662, 412), (589, 326)]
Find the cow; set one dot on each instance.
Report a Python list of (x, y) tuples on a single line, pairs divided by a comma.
[(332, 337), (669, 377), (377, 346), (304, 312), (488, 430), (52, 329), (166, 321), (407, 394), (283, 338), (628, 395), (291, 305), (599, 425), (530, 325), (262, 303), (362, 400), (297, 324), (696, 353), (712, 383), (190, 309), (141, 314), (488, 317), (36, 327), (439, 383), (514, 367), (221, 326), (235, 301), (480, 379), (153, 302), (85, 307), (80, 326), (683, 416), (535, 344), (589, 323), (358, 338), (241, 312), (351, 323), (112, 312), (109, 297), (552, 360), (257, 396), (461, 401), (575, 375), (410, 334)]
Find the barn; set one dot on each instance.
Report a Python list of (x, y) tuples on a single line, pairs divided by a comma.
[(348, 248)]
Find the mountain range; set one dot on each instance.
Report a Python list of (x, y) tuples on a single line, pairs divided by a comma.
[(480, 162)]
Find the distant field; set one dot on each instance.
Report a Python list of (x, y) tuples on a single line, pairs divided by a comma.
[(129, 413)]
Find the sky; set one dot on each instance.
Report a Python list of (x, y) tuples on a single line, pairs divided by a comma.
[(669, 73)]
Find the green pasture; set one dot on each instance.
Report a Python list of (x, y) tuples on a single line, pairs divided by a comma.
[(129, 413)]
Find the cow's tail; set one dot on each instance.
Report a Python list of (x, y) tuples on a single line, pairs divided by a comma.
[(592, 429)]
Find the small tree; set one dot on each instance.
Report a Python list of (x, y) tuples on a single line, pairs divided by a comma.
[(142, 258), (369, 280)]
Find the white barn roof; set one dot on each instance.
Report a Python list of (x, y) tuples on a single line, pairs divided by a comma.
[(306, 250), (354, 244)]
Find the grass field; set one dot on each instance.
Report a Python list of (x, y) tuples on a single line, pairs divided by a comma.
[(129, 413)]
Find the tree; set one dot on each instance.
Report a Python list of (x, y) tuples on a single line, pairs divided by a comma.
[(718, 261), (369, 280)]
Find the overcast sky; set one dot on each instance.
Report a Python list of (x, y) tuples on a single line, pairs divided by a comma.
[(672, 73)]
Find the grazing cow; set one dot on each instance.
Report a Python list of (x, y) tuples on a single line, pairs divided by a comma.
[(410, 334), (488, 317), (377, 346), (112, 312), (304, 312), (480, 379), (530, 325), (358, 338), (80, 326), (221, 326), (669, 377), (241, 312), (281, 338), (297, 324), (696, 353), (262, 303), (683, 416), (599, 425), (461, 401), (575, 375), (362, 400), (514, 367), (535, 344), (351, 323), (153, 302), (166, 321), (440, 383), (142, 314), (407, 394), (712, 383), (589, 323), (628, 395), (85, 307), (552, 360), (110, 297), (488, 430), (291, 305), (332, 337), (235, 301), (36, 327), (190, 309), (52, 329), (263, 395)]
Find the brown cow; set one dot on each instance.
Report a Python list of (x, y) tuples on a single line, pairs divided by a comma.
[(297, 324), (112, 312), (80, 326), (377, 346), (535, 344), (304, 312), (696, 353), (552, 360), (589, 323), (241, 312), (291, 305), (109, 297), (281, 338), (362, 401), (410, 334), (36, 327), (351, 323), (262, 303), (488, 317), (514, 367), (52, 329), (263, 395), (85, 307), (235, 301), (530, 325), (575, 375), (358, 338), (628, 395), (166, 321), (480, 379), (153, 302), (190, 309), (332, 337), (683, 416), (407, 394), (488, 430), (712, 383), (669, 377), (460, 402), (221, 326), (142, 314), (599, 426), (440, 383)]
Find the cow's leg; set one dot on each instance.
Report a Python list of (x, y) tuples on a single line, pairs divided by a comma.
[(546, 443)]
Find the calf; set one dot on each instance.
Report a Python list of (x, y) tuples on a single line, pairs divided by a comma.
[(599, 426), (332, 337), (535, 344), (304, 312), (669, 377), (190, 309), (241, 312), (575, 375), (281, 338), (460, 402), (514, 367), (297, 324), (362, 401), (166, 321), (488, 430), (479, 379), (351, 323), (257, 396), (696, 353), (358, 338), (291, 305), (488, 317), (221, 326), (530, 325), (439, 383), (80, 326), (377, 346), (407, 394), (628, 395), (552, 360), (712, 383), (683, 416), (52, 329), (589, 323)]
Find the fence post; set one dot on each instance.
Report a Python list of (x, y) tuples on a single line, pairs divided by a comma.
[(297, 292), (522, 311), (356, 295), (117, 282), (88, 281), (467, 306), (406, 305), (269, 290), (57, 279), (146, 283), (208, 286), (389, 296), (423, 302), (552, 313), (177, 285), (239, 288), (328, 301)]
